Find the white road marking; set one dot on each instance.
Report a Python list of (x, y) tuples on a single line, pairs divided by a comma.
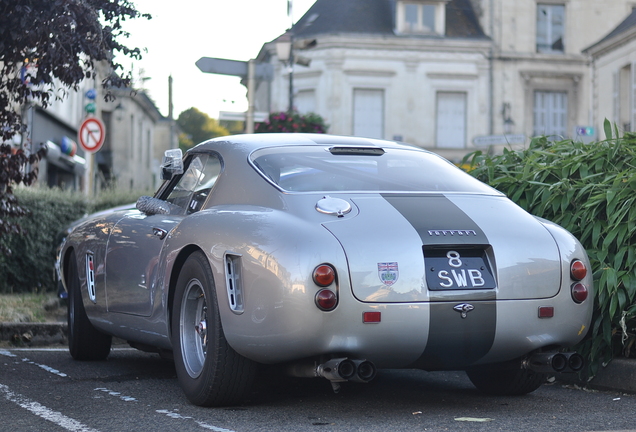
[(116, 394), (178, 416), (46, 368), (26, 360), (47, 414), (58, 349), (7, 353)]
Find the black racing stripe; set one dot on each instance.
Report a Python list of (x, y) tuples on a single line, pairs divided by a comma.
[(437, 220), (453, 342)]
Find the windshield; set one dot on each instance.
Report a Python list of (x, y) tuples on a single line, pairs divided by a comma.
[(337, 169)]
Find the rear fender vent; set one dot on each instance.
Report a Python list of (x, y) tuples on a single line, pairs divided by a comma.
[(233, 282)]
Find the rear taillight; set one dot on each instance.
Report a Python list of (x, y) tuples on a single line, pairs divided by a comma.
[(578, 270), (579, 292), (326, 299), (324, 275)]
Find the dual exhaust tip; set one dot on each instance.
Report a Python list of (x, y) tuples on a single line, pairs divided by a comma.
[(345, 369), (555, 362), (336, 370)]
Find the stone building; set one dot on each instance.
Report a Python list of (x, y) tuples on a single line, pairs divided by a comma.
[(443, 74)]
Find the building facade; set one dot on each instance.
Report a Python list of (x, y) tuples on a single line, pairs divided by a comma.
[(446, 75), (613, 70)]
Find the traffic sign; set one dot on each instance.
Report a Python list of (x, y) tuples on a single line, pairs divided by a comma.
[(233, 68), (91, 134), (489, 140)]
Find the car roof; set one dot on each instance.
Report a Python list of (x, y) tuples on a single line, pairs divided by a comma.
[(249, 142)]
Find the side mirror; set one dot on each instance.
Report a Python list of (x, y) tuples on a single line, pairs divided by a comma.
[(152, 206), (172, 164)]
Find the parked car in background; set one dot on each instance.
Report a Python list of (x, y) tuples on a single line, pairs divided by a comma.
[(333, 257)]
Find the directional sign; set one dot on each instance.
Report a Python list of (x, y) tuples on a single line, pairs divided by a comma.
[(233, 67), (91, 134), (489, 140)]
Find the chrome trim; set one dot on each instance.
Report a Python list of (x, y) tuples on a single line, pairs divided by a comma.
[(463, 309)]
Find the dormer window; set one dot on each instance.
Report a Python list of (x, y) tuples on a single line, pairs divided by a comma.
[(421, 17)]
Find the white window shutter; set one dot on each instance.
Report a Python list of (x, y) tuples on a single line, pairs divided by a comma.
[(616, 98)]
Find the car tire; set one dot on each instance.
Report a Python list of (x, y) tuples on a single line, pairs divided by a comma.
[(505, 381), (85, 342), (210, 372)]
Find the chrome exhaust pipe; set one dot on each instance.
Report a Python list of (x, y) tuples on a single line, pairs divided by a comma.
[(365, 371), (549, 362), (576, 362), (335, 370)]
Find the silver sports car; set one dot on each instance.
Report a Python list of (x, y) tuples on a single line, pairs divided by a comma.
[(331, 257)]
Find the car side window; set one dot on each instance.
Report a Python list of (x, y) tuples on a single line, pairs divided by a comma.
[(194, 186)]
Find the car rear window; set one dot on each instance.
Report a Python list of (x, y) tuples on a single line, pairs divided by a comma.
[(340, 169)]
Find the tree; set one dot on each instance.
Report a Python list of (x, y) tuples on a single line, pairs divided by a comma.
[(49, 43), (46, 48), (197, 127)]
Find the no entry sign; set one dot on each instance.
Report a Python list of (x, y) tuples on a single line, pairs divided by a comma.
[(91, 134)]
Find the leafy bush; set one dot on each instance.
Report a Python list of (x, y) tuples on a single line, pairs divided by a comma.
[(292, 122), (49, 212), (589, 190)]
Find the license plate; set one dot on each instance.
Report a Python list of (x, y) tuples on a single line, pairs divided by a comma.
[(457, 269)]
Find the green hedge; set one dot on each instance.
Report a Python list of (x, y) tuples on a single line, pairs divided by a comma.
[(29, 267), (589, 189)]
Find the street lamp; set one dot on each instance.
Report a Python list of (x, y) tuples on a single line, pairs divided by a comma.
[(285, 53)]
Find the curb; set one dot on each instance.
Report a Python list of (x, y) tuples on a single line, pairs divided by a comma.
[(34, 334), (619, 375)]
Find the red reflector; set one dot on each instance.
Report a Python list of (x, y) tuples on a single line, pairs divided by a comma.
[(326, 299), (578, 270), (579, 292), (371, 317), (546, 311), (324, 275)]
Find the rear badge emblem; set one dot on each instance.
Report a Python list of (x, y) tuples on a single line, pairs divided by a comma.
[(452, 232), (464, 308), (388, 273)]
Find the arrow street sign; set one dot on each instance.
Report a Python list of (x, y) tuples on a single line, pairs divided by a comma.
[(489, 140), (233, 67), (91, 134)]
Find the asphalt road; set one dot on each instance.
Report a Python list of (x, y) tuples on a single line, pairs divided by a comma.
[(45, 390)]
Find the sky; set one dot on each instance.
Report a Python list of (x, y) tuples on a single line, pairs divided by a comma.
[(181, 32)]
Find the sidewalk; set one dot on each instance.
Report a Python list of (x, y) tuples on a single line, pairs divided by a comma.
[(619, 375)]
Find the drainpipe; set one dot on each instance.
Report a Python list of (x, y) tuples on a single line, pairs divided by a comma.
[(491, 109)]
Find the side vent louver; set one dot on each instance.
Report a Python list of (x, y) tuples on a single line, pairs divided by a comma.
[(90, 277), (233, 282)]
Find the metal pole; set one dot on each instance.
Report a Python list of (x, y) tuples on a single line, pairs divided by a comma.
[(249, 117), (291, 73), (290, 13)]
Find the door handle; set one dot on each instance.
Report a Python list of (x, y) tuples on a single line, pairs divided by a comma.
[(161, 233)]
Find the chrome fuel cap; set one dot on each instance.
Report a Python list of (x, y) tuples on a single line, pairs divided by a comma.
[(333, 206)]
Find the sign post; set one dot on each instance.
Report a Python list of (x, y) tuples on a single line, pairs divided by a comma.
[(91, 136), (249, 70)]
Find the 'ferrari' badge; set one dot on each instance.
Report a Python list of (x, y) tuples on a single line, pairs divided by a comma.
[(388, 273)]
